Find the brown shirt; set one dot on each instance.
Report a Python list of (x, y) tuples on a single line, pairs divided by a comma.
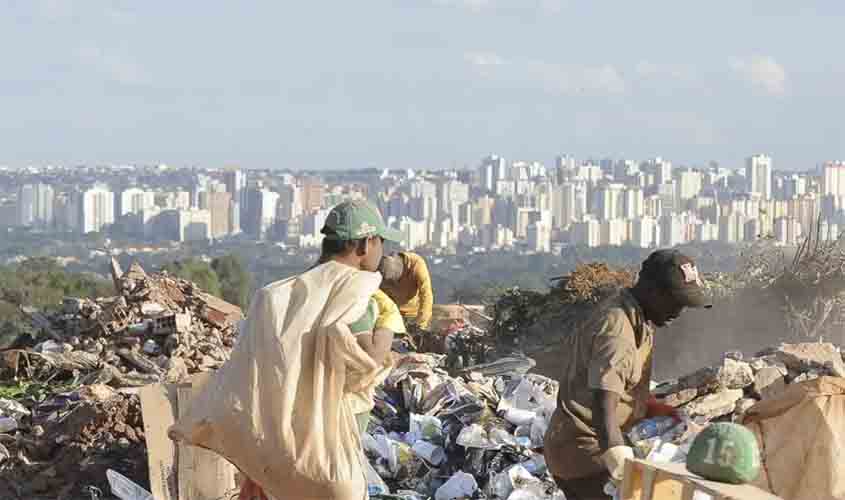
[(611, 351)]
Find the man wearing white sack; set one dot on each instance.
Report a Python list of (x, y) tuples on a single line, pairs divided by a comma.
[(280, 409), (605, 376)]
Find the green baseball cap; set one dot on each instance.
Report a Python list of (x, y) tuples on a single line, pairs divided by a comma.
[(355, 220)]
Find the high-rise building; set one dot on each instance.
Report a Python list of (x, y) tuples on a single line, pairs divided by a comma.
[(312, 194), (262, 204), (662, 170), (689, 185), (586, 232), (450, 195), (645, 232), (609, 201), (194, 224), (35, 205), (134, 200), (787, 230), (236, 184), (758, 175), (614, 232), (291, 202), (833, 178), (539, 236), (219, 205), (96, 209), (672, 231), (732, 228), (633, 203)]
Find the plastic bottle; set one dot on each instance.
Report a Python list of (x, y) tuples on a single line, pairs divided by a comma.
[(124, 488), (650, 428)]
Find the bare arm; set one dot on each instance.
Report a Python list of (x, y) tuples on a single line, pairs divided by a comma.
[(377, 344), (604, 419)]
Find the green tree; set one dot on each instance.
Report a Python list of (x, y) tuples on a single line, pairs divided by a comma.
[(235, 279), (198, 272)]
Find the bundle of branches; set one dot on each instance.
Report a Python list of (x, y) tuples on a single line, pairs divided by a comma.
[(810, 284), (591, 283), (516, 311)]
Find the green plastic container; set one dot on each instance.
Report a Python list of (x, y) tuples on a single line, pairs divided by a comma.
[(725, 452)]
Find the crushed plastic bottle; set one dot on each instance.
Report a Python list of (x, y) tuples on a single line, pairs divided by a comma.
[(124, 488), (460, 485), (650, 428)]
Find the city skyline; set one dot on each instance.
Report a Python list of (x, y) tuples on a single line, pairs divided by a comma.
[(419, 83), (513, 205)]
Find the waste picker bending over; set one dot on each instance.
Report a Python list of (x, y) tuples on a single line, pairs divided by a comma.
[(606, 372), (281, 408), (408, 283)]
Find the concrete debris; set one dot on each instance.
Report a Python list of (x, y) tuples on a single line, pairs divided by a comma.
[(158, 328), (768, 382), (117, 340), (823, 357)]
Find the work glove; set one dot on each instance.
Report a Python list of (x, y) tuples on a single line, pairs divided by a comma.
[(614, 460), (655, 408)]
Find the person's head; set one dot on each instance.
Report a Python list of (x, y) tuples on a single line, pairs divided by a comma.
[(392, 268), (354, 234), (667, 284)]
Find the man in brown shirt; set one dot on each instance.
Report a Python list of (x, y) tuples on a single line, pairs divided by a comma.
[(605, 375)]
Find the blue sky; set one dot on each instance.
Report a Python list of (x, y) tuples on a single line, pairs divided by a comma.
[(419, 83)]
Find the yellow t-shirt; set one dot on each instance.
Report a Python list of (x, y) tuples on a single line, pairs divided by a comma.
[(386, 316), (388, 313)]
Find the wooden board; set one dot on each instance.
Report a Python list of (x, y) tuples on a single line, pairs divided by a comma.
[(158, 408), (203, 474), (653, 481)]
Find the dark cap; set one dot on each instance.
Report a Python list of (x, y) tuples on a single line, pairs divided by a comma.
[(676, 273)]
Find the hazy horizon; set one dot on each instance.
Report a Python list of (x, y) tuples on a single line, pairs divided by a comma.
[(419, 83)]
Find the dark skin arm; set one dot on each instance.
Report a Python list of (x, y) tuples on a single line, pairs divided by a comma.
[(376, 344), (604, 419)]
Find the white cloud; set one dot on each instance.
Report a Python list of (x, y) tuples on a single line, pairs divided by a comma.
[(574, 80), (484, 59), (763, 73), (112, 65), (678, 72), (551, 77)]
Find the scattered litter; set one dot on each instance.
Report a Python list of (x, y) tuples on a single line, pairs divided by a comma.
[(123, 487)]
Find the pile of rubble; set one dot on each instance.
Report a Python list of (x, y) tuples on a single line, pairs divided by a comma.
[(158, 328), (76, 413), (727, 390)]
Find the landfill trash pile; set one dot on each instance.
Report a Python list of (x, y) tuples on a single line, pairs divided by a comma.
[(478, 435), (73, 412)]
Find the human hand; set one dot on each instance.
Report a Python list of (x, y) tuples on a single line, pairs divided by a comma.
[(614, 460), (251, 491)]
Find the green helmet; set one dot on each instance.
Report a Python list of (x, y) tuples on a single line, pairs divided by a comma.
[(725, 452)]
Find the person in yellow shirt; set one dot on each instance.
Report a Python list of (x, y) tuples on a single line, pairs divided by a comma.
[(408, 283), (382, 320)]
